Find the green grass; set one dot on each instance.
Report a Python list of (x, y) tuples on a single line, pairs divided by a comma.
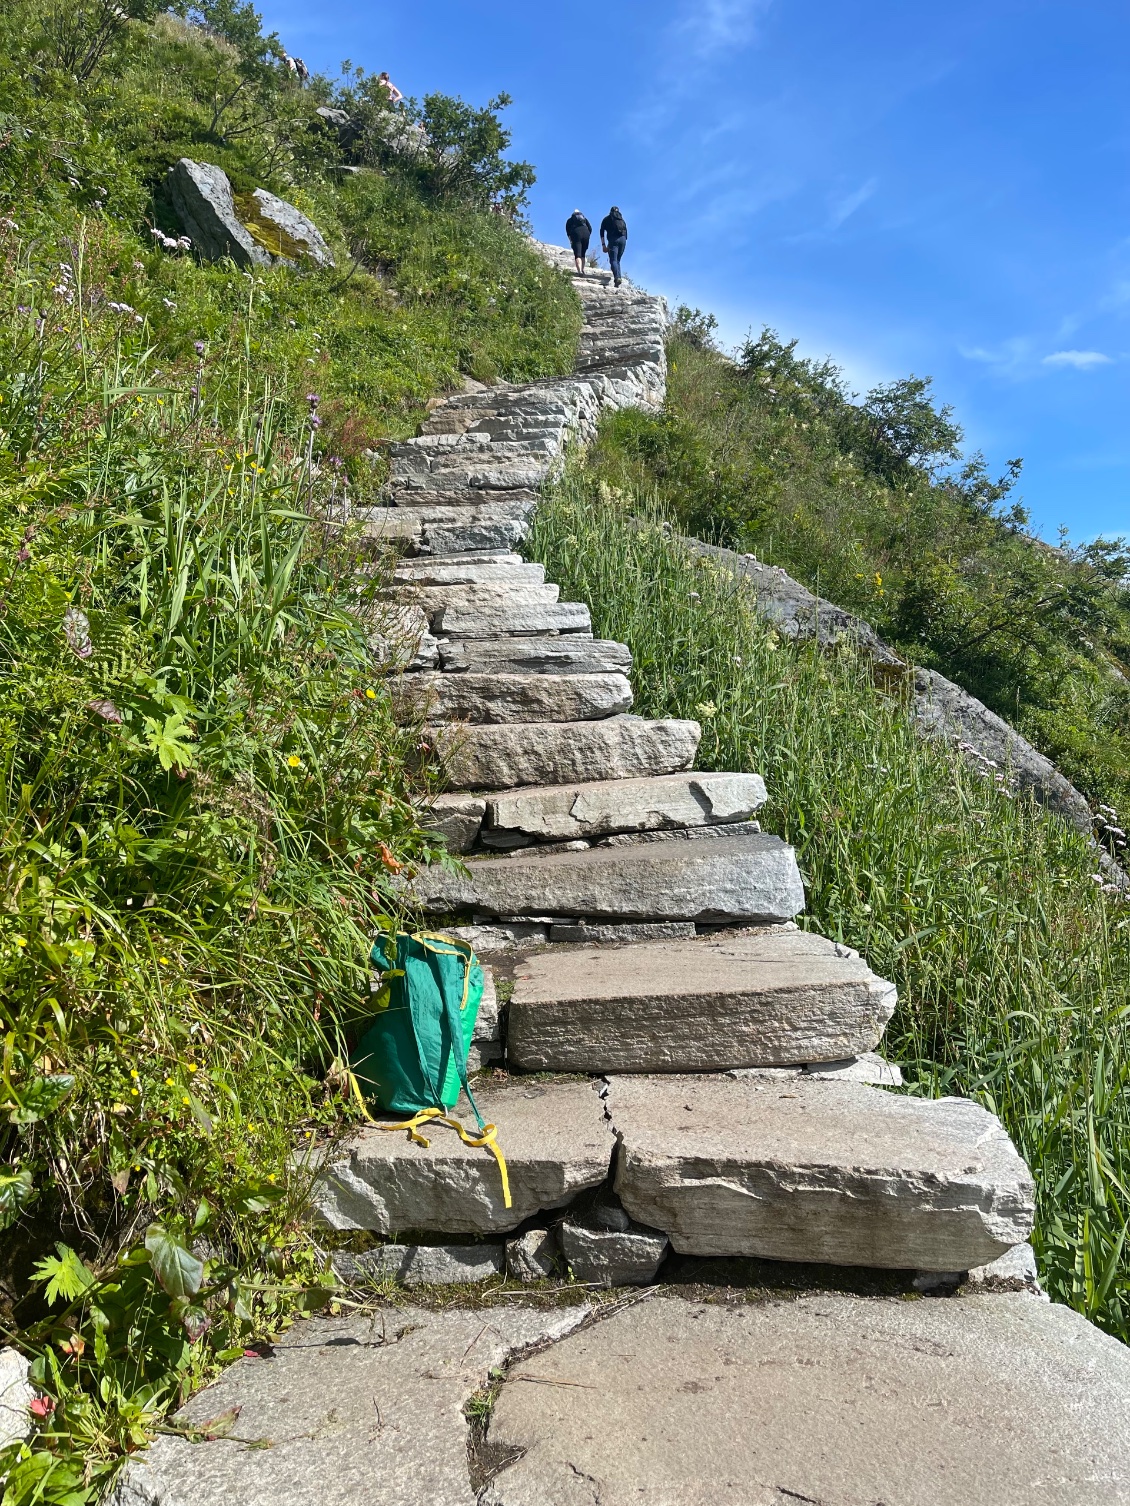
[(1011, 962), (772, 454)]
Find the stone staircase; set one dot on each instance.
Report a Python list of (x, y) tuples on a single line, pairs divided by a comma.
[(691, 1091), (643, 924)]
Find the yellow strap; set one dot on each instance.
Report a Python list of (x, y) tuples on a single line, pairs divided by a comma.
[(488, 1140)]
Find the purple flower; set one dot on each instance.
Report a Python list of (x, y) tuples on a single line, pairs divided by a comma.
[(198, 347), (313, 399), (23, 555), (315, 421)]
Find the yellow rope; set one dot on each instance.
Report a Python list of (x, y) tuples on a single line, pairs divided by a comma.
[(488, 1140)]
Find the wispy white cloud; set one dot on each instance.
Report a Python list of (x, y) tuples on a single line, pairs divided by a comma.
[(844, 206), (708, 27), (1081, 360)]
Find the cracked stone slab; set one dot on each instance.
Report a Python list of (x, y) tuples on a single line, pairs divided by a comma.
[(831, 1172), (493, 698), (422, 1265), (502, 570), (554, 1136), (455, 818), (343, 1411), (753, 879), (612, 1257), (831, 1400), (566, 811), (761, 998), (516, 613), (619, 747)]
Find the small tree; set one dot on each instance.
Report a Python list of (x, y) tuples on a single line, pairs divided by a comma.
[(79, 35), (905, 422)]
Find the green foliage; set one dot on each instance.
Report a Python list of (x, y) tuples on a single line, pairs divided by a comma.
[(872, 505), (1010, 957)]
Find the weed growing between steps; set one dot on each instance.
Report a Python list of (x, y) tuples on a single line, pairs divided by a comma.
[(1011, 962)]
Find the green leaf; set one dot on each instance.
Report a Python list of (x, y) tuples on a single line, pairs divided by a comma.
[(66, 1275), (41, 1096), (171, 742), (176, 1267), (255, 1197), (16, 1191)]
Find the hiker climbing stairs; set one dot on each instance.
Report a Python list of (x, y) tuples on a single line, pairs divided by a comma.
[(643, 923)]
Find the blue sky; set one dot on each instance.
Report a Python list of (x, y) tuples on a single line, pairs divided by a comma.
[(942, 190)]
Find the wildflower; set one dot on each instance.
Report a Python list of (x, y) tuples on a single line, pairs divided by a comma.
[(169, 304), (168, 1082), (313, 399), (42, 1406), (23, 554), (198, 347), (21, 941), (134, 1073), (371, 694), (186, 1100), (315, 422), (192, 1067), (706, 709), (135, 1092), (6, 224), (294, 762), (164, 961)]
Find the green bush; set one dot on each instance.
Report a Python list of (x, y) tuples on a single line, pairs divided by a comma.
[(1010, 956)]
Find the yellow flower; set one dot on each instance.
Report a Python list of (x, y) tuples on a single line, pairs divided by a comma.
[(168, 1082), (134, 1073), (294, 761), (186, 1100), (371, 694), (192, 1067), (270, 1176), (135, 1092), (164, 961), (21, 941)]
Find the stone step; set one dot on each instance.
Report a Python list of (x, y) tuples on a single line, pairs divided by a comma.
[(753, 879), (554, 1136), (402, 494), (502, 614), (736, 999), (505, 570), (565, 812), (570, 655), (433, 529), (829, 1399), (476, 596), (829, 1172), (622, 747), (484, 698)]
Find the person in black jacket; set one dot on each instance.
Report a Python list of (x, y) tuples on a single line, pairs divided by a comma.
[(613, 239), (578, 229)]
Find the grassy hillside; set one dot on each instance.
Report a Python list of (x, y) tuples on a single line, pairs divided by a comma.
[(872, 504), (204, 798), (1011, 960)]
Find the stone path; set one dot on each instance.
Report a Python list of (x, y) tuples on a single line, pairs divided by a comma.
[(707, 1088)]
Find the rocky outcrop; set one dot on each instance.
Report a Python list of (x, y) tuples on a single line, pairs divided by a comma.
[(255, 230)]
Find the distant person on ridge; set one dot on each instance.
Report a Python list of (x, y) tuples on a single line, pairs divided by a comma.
[(613, 239), (579, 231), (394, 94)]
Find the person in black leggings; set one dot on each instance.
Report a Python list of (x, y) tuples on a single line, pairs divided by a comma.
[(579, 231), (613, 239)]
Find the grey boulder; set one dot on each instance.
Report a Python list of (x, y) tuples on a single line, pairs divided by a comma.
[(202, 197), (422, 1265), (286, 233), (612, 1257), (532, 1256), (815, 1171)]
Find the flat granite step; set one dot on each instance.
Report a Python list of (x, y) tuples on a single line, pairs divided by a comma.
[(566, 812), (808, 1170), (438, 530), (503, 570), (831, 1400), (737, 999), (753, 879), (476, 595), (499, 614), (620, 747), (509, 698), (554, 1136), (569, 655)]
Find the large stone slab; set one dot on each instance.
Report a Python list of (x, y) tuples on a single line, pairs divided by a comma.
[(768, 998), (836, 1400), (569, 655), (621, 747), (504, 570), (342, 1411), (486, 597), (818, 1171), (456, 818), (282, 230), (554, 1137), (561, 813), (422, 1265), (202, 197), (509, 698), (753, 878), (516, 613)]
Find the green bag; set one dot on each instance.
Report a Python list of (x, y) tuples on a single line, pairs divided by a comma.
[(413, 1057)]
